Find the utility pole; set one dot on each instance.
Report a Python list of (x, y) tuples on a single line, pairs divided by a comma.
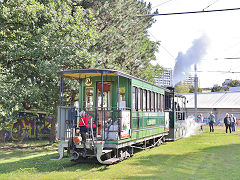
[(195, 90)]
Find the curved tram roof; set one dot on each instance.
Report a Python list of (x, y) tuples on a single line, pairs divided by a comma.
[(83, 73)]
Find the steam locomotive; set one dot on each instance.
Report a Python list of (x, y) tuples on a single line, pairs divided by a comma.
[(114, 114)]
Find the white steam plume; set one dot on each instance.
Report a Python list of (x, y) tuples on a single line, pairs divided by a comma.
[(192, 127), (193, 56)]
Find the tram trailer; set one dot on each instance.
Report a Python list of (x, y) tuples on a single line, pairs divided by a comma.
[(128, 113)]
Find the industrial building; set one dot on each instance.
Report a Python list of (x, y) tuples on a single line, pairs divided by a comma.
[(219, 103)]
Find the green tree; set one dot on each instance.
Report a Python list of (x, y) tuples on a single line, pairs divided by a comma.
[(123, 42), (234, 83), (192, 89), (216, 89), (182, 88), (186, 88), (37, 39)]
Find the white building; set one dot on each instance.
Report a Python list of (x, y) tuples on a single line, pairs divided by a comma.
[(219, 103), (234, 89), (166, 79)]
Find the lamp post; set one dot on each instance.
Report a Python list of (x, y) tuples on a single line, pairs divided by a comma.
[(195, 90)]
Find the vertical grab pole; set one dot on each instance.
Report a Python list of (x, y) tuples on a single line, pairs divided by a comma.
[(118, 94), (60, 97), (103, 129), (79, 99), (118, 109), (59, 111), (195, 91)]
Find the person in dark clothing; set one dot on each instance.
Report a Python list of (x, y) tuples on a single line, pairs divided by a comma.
[(233, 122), (211, 121), (227, 122)]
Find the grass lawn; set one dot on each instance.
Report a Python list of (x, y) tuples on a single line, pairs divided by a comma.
[(202, 156)]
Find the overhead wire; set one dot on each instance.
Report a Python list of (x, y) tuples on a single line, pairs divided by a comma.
[(165, 2), (210, 5), (189, 12), (168, 52), (220, 71)]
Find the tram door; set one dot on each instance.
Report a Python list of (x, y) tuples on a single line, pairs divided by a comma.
[(104, 113)]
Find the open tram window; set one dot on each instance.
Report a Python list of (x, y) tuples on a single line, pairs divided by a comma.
[(144, 100), (139, 99), (152, 101), (134, 98), (148, 101), (159, 102), (162, 102), (89, 102), (106, 95), (156, 102)]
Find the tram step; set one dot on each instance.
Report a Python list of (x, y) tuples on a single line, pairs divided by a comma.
[(106, 151), (111, 161)]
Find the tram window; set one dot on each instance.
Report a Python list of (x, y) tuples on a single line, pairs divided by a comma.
[(148, 101), (152, 101), (156, 102), (89, 92), (167, 101), (134, 98), (159, 102), (162, 102), (139, 99), (144, 99), (106, 95), (122, 101)]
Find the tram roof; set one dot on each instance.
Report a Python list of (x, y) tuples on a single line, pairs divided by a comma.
[(84, 73)]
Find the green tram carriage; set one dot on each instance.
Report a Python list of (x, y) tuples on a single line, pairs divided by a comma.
[(123, 113)]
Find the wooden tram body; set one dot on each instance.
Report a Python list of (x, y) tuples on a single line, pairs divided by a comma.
[(127, 112)]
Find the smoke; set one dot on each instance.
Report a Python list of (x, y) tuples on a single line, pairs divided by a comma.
[(192, 127), (193, 56)]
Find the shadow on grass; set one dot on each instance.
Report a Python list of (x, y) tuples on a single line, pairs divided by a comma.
[(216, 162), (44, 164), (16, 153)]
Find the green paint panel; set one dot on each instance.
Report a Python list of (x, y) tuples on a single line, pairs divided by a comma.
[(147, 86), (140, 135)]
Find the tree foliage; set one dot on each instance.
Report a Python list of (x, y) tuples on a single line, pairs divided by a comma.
[(234, 83), (123, 42), (37, 39), (216, 89), (186, 88)]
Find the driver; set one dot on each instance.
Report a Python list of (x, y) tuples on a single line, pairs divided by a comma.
[(85, 124)]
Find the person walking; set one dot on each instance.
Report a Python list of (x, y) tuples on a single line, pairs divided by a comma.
[(233, 122), (201, 121), (227, 122), (211, 121)]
